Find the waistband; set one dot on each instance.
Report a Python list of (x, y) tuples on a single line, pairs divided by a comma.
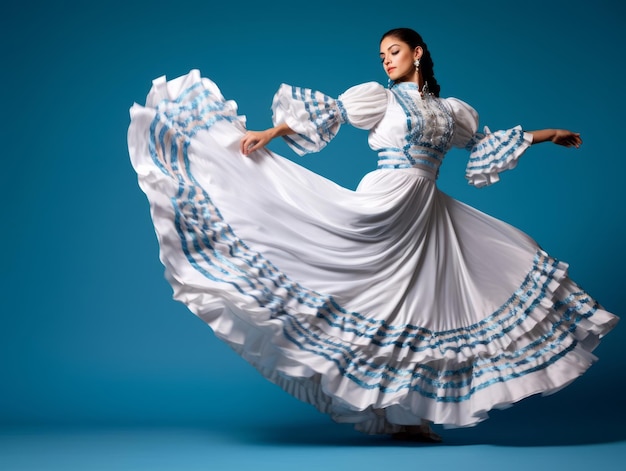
[(427, 160)]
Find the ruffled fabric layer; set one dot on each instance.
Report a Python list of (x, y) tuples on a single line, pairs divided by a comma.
[(493, 153), (377, 364)]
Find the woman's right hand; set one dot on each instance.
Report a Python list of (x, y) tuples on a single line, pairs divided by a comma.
[(255, 140)]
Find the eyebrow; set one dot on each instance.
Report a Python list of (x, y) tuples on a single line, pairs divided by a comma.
[(394, 44)]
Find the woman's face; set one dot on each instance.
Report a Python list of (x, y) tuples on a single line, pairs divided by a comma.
[(397, 58)]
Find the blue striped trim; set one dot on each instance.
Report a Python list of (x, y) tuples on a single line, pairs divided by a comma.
[(357, 369), (394, 166), (413, 151), (495, 148), (323, 113), (509, 316), (342, 111), (293, 142), (474, 140), (402, 100)]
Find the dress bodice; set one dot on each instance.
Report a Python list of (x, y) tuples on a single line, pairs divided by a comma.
[(415, 131)]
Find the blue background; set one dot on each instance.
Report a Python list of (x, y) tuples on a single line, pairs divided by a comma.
[(90, 336)]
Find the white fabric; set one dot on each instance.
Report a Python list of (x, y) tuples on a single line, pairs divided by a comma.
[(466, 121), (379, 306)]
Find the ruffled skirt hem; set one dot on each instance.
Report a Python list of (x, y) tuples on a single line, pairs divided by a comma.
[(382, 395)]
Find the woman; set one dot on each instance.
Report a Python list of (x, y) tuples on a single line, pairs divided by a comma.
[(388, 307)]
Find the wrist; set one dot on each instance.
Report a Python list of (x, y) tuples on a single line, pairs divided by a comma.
[(550, 134), (280, 130), (543, 135), (553, 135)]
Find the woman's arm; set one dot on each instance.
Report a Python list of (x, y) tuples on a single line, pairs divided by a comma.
[(254, 140), (562, 137)]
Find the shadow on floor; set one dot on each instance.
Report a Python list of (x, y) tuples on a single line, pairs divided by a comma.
[(573, 417)]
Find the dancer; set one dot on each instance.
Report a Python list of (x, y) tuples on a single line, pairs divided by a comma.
[(390, 307)]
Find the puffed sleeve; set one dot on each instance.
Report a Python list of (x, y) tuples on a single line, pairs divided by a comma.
[(316, 117), (491, 153)]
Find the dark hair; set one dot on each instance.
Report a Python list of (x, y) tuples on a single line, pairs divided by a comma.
[(413, 39)]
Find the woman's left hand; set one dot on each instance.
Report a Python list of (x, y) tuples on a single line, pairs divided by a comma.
[(562, 137), (566, 138)]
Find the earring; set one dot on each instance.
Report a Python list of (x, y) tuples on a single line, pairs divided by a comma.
[(417, 64)]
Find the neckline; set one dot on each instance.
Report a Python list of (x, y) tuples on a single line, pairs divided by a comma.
[(407, 85), (413, 86)]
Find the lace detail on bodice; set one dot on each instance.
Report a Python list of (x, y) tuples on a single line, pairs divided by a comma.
[(429, 127)]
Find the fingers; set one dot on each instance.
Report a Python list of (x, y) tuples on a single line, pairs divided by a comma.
[(578, 140), (252, 141), (249, 143), (574, 140), (244, 143), (250, 148), (568, 138)]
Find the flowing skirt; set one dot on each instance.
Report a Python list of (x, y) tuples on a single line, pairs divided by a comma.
[(381, 306)]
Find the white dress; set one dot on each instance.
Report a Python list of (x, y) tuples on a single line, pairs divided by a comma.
[(379, 306)]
